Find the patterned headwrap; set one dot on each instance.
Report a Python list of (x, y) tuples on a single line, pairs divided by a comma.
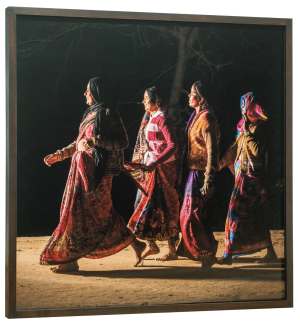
[(252, 109)]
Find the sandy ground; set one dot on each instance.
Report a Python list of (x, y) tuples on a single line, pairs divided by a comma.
[(114, 281)]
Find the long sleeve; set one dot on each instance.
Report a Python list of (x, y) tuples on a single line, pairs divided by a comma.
[(168, 130), (211, 138), (66, 152), (117, 138), (229, 157), (257, 142)]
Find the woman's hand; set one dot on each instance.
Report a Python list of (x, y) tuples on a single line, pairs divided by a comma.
[(50, 159), (85, 144), (219, 167), (150, 167), (207, 188)]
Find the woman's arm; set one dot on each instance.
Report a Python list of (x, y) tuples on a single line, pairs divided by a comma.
[(60, 155), (68, 151), (257, 141), (229, 156), (168, 130), (211, 138)]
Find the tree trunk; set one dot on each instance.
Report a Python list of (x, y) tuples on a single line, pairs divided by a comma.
[(187, 37)]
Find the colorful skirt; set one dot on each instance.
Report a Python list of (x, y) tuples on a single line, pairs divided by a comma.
[(246, 228), (89, 226), (156, 217), (197, 236)]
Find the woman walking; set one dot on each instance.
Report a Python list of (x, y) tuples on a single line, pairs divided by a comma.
[(199, 161), (155, 216), (246, 229), (89, 226)]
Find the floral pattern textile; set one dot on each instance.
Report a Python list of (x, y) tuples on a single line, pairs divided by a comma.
[(137, 173), (89, 226), (156, 216)]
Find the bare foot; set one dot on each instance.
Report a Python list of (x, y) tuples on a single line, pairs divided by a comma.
[(68, 267), (267, 258), (167, 257), (152, 248), (138, 248)]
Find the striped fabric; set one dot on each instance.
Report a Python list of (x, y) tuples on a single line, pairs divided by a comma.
[(161, 139)]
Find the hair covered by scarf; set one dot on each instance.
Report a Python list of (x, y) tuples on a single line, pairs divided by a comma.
[(253, 111), (100, 127), (95, 87)]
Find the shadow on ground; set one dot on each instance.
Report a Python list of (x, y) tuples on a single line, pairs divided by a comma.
[(248, 271)]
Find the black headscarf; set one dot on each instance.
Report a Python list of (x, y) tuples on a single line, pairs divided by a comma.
[(95, 85), (100, 128)]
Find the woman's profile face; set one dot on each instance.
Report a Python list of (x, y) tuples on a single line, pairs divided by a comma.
[(193, 101), (248, 112), (147, 103), (88, 95), (243, 108)]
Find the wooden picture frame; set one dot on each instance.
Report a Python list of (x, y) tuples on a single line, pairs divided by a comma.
[(11, 172)]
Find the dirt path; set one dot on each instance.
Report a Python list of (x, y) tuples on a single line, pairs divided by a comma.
[(113, 280)]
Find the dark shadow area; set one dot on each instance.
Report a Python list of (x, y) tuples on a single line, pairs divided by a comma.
[(56, 57), (190, 273), (238, 260), (252, 260)]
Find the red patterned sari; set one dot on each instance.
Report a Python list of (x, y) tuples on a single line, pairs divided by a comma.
[(156, 213), (155, 216), (89, 226)]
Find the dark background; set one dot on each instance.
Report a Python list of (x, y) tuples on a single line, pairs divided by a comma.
[(57, 57)]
